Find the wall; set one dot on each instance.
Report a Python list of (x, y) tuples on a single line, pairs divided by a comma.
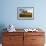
[(8, 13)]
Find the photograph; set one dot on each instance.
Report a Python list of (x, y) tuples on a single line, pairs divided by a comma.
[(25, 13)]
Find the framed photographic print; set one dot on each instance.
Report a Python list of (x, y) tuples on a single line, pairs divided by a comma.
[(25, 13)]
